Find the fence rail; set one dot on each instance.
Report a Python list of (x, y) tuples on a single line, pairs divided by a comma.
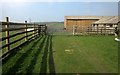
[(27, 31), (91, 30)]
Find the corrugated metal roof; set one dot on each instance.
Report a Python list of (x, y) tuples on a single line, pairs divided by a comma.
[(108, 19)]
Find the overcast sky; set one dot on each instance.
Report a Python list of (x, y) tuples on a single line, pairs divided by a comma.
[(55, 11)]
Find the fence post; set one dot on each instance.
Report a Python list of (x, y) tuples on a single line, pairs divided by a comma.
[(97, 29), (45, 29), (88, 30), (7, 34), (26, 30), (105, 29), (101, 30), (73, 30), (39, 30), (34, 30)]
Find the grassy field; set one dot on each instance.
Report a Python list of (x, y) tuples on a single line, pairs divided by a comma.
[(65, 54), (85, 54)]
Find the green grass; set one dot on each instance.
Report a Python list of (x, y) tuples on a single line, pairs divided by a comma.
[(88, 54), (30, 58), (13, 39)]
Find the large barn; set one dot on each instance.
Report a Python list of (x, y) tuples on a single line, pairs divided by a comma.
[(83, 22)]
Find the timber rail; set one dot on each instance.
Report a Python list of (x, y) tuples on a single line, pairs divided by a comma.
[(28, 31)]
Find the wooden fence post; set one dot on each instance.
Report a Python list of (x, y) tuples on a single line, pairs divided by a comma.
[(105, 29), (7, 34), (73, 30), (97, 29), (45, 29), (101, 30), (34, 30), (39, 30), (88, 30), (26, 30)]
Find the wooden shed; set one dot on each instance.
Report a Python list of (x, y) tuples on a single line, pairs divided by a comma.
[(82, 23), (107, 21)]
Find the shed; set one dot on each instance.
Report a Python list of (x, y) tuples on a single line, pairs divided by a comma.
[(90, 21), (79, 21)]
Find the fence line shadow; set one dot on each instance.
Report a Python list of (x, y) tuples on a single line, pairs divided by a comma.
[(51, 59), (34, 60), (48, 51), (13, 53), (43, 68), (20, 60), (47, 62)]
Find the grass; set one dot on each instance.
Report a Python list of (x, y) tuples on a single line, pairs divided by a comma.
[(64, 54), (87, 54), (13, 39), (31, 58)]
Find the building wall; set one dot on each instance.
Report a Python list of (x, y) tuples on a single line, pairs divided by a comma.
[(78, 22)]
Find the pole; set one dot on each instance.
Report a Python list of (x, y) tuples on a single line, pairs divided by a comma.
[(26, 30), (7, 34)]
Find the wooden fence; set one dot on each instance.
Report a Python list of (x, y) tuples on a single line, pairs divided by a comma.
[(92, 30), (27, 31), (101, 30)]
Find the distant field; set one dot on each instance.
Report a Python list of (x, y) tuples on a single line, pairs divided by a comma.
[(65, 54), (57, 29)]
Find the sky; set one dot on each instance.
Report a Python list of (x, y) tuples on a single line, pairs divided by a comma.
[(37, 11)]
